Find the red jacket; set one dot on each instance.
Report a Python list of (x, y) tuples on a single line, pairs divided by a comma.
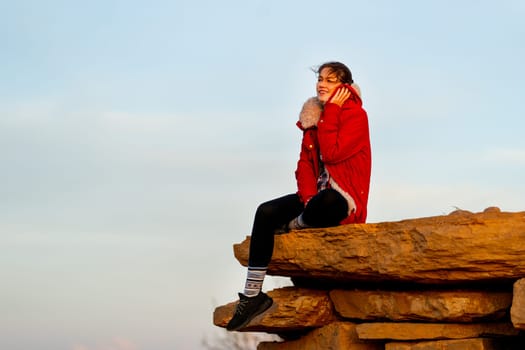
[(342, 138)]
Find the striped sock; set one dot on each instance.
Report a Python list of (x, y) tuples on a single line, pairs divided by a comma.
[(297, 223), (254, 280)]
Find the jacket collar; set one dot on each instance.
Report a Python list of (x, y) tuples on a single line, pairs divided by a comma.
[(310, 113)]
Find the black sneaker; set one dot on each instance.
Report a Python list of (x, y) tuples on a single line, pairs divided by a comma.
[(247, 309)]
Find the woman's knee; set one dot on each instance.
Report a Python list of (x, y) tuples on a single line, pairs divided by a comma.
[(265, 210), (328, 208), (279, 211), (328, 198), (333, 198)]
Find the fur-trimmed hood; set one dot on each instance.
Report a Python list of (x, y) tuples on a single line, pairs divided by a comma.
[(312, 109)]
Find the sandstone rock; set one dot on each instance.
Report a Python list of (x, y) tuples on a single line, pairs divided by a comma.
[(453, 269), (436, 306), (293, 309), (422, 331), (335, 336), (459, 247), (517, 311), (460, 344)]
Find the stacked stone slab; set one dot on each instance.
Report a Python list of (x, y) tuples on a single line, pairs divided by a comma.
[(443, 282)]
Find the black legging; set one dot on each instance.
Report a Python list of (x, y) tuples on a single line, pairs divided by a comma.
[(325, 209)]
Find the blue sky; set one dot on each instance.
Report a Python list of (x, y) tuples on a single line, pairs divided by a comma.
[(137, 139)]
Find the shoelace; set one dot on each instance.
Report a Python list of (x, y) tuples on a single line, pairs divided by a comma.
[(242, 304)]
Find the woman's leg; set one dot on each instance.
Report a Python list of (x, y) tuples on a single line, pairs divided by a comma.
[(269, 217), (327, 208)]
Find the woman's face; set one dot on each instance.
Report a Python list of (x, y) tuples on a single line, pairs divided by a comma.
[(327, 83)]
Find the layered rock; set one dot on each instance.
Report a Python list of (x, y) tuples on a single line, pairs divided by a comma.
[(441, 282), (335, 336), (434, 306), (418, 331), (459, 344), (517, 311), (460, 247)]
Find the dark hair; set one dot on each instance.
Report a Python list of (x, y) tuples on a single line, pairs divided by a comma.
[(339, 69)]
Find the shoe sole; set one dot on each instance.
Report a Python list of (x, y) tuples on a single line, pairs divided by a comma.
[(262, 309)]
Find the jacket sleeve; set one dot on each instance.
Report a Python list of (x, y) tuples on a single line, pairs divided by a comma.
[(306, 171), (342, 131)]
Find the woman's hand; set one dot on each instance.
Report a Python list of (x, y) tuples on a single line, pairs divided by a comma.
[(341, 96)]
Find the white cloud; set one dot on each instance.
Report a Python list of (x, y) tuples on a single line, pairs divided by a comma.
[(507, 156), (32, 113)]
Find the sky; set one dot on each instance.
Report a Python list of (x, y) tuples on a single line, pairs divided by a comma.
[(138, 137)]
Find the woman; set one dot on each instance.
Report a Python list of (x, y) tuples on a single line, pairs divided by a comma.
[(333, 179)]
